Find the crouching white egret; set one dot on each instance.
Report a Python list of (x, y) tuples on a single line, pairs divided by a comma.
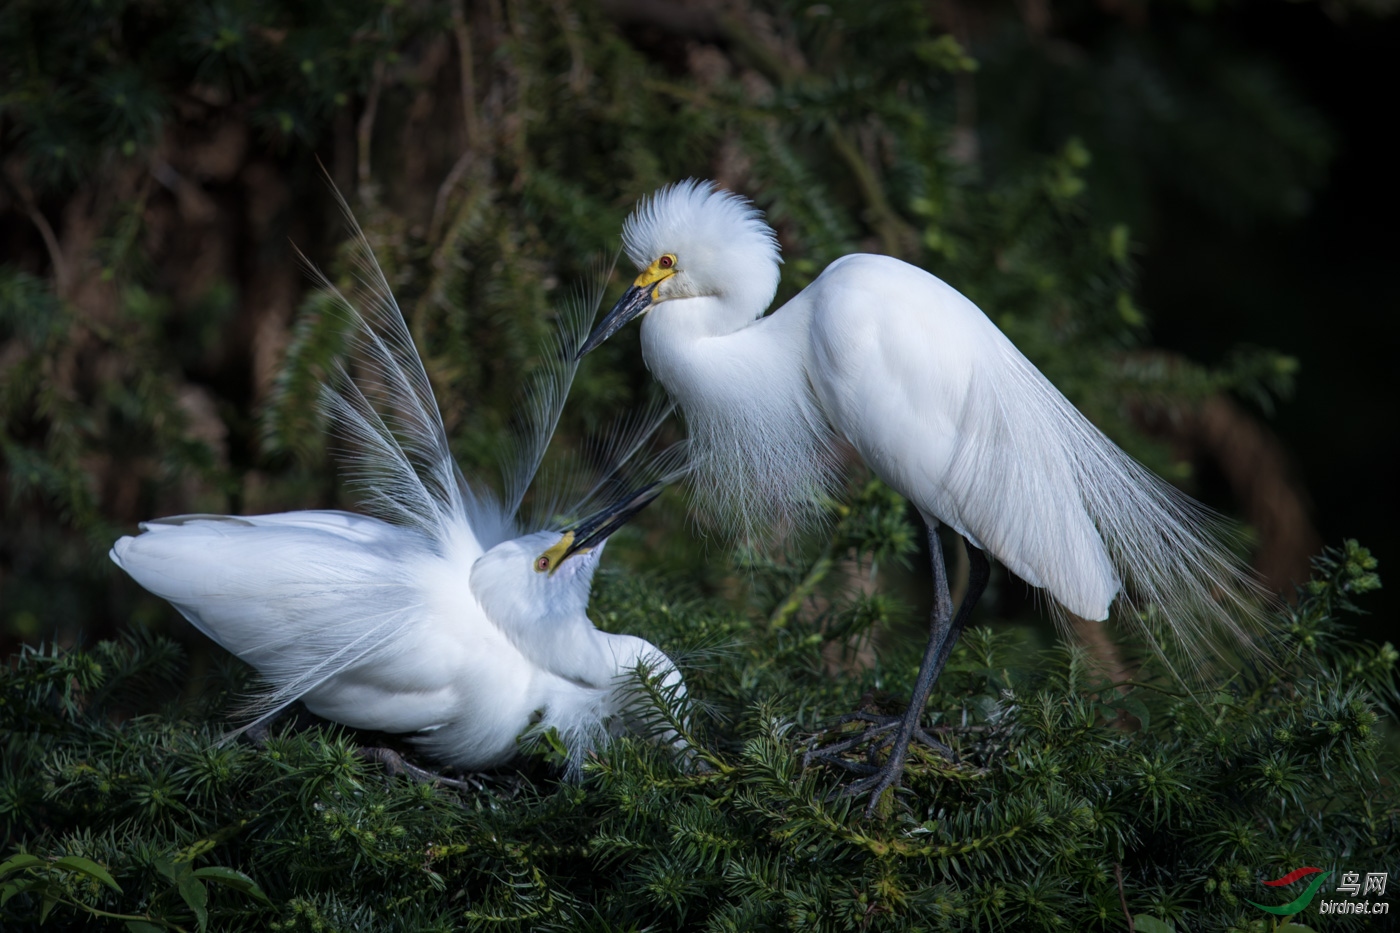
[(884, 357), (436, 619)]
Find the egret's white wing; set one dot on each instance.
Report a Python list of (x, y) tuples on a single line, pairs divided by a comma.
[(374, 623), (901, 359), (338, 609), (943, 405)]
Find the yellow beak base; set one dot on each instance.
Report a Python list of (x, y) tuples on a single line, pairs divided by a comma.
[(557, 553), (654, 274)]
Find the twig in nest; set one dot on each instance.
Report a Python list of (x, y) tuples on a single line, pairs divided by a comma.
[(36, 217)]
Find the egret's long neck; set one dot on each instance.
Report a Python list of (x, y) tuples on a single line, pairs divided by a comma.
[(572, 649), (582, 716), (627, 651), (699, 351), (759, 442)]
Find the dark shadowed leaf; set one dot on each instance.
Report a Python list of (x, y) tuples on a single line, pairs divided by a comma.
[(233, 879), (88, 867)]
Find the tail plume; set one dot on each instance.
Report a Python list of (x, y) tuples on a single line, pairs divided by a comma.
[(1184, 587)]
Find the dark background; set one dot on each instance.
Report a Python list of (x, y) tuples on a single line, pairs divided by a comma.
[(170, 154), (1322, 287)]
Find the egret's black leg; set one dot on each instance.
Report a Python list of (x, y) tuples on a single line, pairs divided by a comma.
[(979, 572), (944, 630)]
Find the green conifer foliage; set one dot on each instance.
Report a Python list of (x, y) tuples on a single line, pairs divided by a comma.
[(160, 352), (1075, 801)]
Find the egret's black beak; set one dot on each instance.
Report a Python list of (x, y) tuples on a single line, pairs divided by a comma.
[(595, 529), (632, 303)]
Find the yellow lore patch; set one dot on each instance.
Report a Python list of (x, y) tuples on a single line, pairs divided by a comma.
[(552, 558), (662, 268)]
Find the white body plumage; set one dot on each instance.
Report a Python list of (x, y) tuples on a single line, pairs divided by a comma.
[(370, 625), (440, 623), (938, 402)]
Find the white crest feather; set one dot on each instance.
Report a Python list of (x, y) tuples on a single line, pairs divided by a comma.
[(689, 218)]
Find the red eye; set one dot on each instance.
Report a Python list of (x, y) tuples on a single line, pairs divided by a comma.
[(666, 262), (542, 564)]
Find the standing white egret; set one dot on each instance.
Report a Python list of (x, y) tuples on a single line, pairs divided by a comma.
[(435, 619), (886, 358)]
